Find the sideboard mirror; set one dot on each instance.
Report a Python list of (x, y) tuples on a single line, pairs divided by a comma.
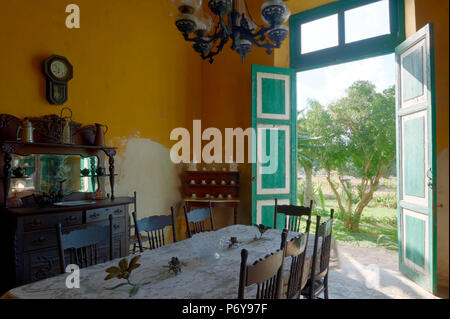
[(44, 173)]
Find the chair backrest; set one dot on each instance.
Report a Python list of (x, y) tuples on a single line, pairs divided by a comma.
[(154, 227), (296, 249), (293, 216), (266, 273), (196, 220), (83, 244), (323, 232), (134, 219)]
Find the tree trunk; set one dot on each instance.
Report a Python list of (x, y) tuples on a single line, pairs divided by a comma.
[(308, 184), (365, 200), (338, 196)]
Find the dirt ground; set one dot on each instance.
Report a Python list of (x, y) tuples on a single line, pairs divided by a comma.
[(370, 273)]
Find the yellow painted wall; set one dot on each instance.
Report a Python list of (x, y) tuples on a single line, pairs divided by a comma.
[(132, 71)]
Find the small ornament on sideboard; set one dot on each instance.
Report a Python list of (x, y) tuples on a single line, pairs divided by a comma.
[(14, 201), (100, 134), (233, 167), (66, 137), (18, 172), (27, 132)]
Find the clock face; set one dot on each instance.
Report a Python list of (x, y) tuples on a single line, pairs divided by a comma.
[(59, 69)]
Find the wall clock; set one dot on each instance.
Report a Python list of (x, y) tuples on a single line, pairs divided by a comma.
[(58, 72)]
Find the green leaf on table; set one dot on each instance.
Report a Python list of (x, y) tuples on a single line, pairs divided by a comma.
[(111, 276), (113, 270), (117, 286), (133, 263), (123, 265), (134, 290)]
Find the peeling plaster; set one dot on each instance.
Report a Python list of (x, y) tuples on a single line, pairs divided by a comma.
[(144, 166)]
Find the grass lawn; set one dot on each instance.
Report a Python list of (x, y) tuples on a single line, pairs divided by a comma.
[(378, 227)]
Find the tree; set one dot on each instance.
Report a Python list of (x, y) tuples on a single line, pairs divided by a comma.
[(358, 131), (306, 155)]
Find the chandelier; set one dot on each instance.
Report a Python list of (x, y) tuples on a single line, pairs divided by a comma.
[(232, 22)]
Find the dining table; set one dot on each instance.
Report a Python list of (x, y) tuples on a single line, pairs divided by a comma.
[(209, 269)]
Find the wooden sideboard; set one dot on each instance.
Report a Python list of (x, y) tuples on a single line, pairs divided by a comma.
[(28, 240)]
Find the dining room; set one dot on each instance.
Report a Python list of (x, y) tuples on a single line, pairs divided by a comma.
[(148, 151)]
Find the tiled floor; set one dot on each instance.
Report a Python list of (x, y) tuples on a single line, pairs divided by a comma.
[(368, 273)]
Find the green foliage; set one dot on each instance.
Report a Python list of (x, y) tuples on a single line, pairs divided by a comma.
[(387, 200), (317, 195), (355, 134), (357, 130), (375, 231), (123, 271)]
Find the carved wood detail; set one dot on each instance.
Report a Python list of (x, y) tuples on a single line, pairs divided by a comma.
[(49, 128)]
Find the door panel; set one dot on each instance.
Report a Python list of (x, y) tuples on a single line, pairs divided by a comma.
[(265, 212), (274, 122), (416, 159), (415, 162)]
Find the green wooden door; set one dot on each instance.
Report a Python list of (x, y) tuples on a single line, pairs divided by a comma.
[(275, 151), (416, 158)]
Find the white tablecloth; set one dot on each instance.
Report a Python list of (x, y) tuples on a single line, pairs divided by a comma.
[(200, 278)]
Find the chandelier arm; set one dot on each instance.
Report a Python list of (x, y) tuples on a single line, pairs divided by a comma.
[(259, 40), (267, 44), (262, 31), (219, 48), (219, 31), (186, 37)]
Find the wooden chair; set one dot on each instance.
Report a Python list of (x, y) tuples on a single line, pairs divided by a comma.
[(293, 216), (133, 239), (83, 245), (296, 249), (196, 220), (318, 281), (154, 227), (266, 273)]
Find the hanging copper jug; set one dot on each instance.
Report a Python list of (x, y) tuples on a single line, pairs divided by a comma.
[(100, 135)]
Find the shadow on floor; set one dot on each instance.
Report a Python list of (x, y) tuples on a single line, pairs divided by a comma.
[(371, 273)]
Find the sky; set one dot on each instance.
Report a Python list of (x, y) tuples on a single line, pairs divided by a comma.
[(330, 83)]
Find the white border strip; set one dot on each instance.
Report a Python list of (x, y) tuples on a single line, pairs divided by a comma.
[(271, 202), (269, 191), (287, 106)]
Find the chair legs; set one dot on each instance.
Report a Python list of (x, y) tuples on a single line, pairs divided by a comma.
[(325, 290)]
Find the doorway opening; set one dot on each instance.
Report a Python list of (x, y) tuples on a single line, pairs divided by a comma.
[(347, 148), (366, 136)]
